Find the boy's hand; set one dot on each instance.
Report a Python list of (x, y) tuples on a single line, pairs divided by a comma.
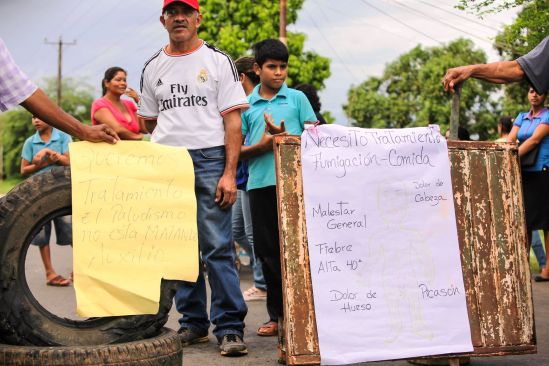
[(53, 157), (271, 127), (41, 158), (266, 141)]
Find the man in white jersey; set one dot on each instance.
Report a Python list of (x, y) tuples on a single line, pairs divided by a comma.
[(192, 97)]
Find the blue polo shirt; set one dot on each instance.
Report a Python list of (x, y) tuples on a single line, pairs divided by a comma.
[(527, 124), (59, 142), (289, 105)]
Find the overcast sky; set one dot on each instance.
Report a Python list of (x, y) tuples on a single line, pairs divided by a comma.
[(360, 36)]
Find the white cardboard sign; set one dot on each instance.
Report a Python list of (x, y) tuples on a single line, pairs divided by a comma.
[(383, 244)]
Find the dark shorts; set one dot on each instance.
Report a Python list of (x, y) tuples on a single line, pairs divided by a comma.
[(63, 231), (536, 199)]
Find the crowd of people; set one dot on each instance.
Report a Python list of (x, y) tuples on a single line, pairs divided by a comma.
[(226, 114)]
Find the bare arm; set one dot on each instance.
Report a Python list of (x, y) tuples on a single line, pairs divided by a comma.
[(265, 144), (43, 107), (530, 143), (28, 168), (104, 116), (60, 159), (142, 125), (225, 194), (150, 124), (512, 136), (497, 72)]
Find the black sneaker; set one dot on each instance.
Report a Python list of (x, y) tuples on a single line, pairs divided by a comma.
[(232, 345), (189, 337)]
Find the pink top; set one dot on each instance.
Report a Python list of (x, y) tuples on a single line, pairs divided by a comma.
[(103, 102)]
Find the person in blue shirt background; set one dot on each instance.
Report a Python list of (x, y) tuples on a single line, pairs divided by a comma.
[(270, 101), (47, 148), (532, 130)]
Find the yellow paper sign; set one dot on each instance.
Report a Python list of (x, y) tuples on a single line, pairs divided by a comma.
[(134, 223)]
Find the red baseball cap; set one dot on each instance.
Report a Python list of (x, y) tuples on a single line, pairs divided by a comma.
[(192, 3)]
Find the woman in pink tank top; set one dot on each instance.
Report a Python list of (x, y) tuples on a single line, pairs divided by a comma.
[(119, 114)]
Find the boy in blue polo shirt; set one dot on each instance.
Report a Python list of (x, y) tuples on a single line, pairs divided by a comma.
[(270, 101), (47, 148)]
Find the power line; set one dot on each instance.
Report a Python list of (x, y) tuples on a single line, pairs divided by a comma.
[(105, 13), (332, 48), (349, 54), (59, 45), (67, 14), (401, 22), (441, 22), (107, 48), (458, 15), (497, 44), (377, 27), (74, 20)]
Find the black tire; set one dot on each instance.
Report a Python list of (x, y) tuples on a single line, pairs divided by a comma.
[(23, 321), (162, 350)]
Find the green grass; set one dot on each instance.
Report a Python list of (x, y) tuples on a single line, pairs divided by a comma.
[(6, 185)]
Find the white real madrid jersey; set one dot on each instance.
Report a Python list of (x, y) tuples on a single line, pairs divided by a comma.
[(188, 95)]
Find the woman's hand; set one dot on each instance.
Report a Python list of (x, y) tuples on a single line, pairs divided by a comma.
[(132, 94)]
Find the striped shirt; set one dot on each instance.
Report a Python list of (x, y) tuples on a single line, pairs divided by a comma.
[(15, 86)]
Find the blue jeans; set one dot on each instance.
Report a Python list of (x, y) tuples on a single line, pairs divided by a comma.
[(243, 235), (537, 247), (228, 308)]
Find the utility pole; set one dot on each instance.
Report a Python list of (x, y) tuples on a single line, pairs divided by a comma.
[(60, 45), (282, 29)]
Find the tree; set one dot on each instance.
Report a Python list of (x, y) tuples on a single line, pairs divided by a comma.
[(234, 26), (517, 39), (77, 97), (490, 6), (17, 126), (409, 92)]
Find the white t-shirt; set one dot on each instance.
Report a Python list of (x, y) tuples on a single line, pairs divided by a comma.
[(188, 95)]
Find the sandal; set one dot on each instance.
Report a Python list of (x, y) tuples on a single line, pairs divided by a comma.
[(269, 329), (58, 281), (253, 294)]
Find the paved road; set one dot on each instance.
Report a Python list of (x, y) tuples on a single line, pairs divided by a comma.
[(262, 351)]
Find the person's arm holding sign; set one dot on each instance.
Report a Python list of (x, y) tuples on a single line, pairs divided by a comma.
[(44, 108), (16, 88)]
